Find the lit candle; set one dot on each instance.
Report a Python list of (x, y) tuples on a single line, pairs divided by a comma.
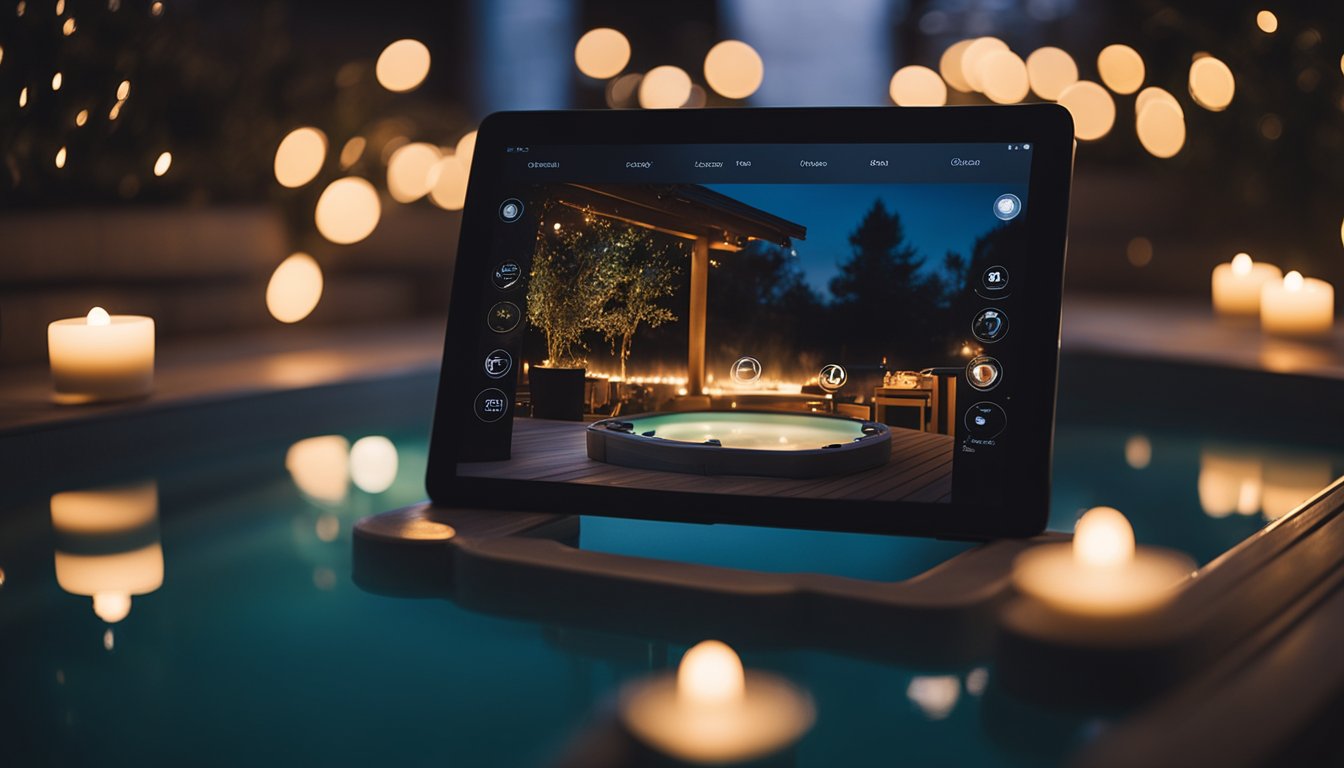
[(1297, 306), (1102, 573), (712, 711), (107, 545), (101, 357), (1236, 286)]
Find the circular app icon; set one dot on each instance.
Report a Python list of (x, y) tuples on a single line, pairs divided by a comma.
[(985, 420), (498, 364), (994, 278), (506, 274), (832, 377), (511, 210), (1007, 207), (746, 370), (503, 317), (984, 372), (990, 325), (491, 404)]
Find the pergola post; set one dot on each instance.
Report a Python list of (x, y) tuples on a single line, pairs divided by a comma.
[(695, 367)]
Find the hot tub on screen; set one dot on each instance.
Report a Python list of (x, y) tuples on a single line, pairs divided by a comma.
[(770, 444)]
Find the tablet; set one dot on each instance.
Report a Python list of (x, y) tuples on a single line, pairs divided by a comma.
[(842, 319)]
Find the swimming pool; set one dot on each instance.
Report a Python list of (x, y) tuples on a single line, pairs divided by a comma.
[(739, 442)]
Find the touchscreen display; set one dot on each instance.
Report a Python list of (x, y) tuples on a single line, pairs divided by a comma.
[(815, 321)]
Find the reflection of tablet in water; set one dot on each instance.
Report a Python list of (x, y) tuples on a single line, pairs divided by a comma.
[(706, 316)]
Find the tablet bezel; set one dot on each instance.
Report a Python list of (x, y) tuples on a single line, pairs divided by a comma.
[(1048, 126)]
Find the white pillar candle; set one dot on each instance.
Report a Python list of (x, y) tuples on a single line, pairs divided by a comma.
[(1236, 285), (101, 357), (1297, 306)]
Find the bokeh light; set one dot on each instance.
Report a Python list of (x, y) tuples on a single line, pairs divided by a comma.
[(1121, 68), (1153, 93), (665, 87), (970, 59), (1092, 108), (1139, 252), (1161, 128), (124, 90), (81, 118), (1051, 70), (68, 28), (1267, 22), (602, 53), (60, 157), (916, 86), (300, 156), (23, 97), (466, 149), (408, 171), (373, 463), (295, 288), (949, 65), (450, 184), (56, 81), (403, 65), (734, 69), (352, 151), (1211, 84), (320, 467), (163, 163), (1138, 451), (1003, 77), (348, 210)]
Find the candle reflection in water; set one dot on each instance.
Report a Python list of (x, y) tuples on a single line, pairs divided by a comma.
[(320, 467), (1289, 481), (935, 695), (1229, 481), (108, 545)]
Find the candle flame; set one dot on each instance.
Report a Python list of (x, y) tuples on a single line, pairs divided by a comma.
[(112, 606), (1293, 281), (711, 673), (1103, 538), (99, 316), (1241, 264)]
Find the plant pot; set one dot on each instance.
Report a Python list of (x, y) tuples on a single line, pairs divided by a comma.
[(557, 393)]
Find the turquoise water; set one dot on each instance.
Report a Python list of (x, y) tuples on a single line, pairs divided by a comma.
[(257, 648), (760, 431)]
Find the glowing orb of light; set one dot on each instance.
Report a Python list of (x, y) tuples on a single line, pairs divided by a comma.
[(949, 65), (352, 151), (1267, 22), (1138, 451), (1211, 84), (1050, 71), (123, 90), (294, 289), (408, 171), (916, 86), (1092, 108), (320, 467), (56, 82), (1153, 93), (602, 53), (163, 163), (665, 87), (60, 157), (81, 118), (1003, 77), (348, 210), (373, 463), (1161, 128), (98, 316), (711, 673), (466, 149), (970, 58), (1103, 538), (299, 157), (402, 66), (450, 184), (734, 69), (1121, 68)]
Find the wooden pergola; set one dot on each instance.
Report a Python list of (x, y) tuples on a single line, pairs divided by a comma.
[(710, 220)]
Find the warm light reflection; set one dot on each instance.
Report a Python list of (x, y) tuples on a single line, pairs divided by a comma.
[(1267, 22), (163, 163), (1290, 481), (1161, 128), (710, 674), (935, 695), (1121, 68), (327, 528), (320, 467), (734, 69), (295, 288), (1229, 482), (949, 65), (402, 66), (408, 171), (1211, 84), (299, 157), (665, 87), (1051, 70), (108, 545), (1003, 77), (602, 53), (450, 184), (373, 463), (352, 151), (1103, 538), (916, 86), (1138, 451), (1092, 108), (348, 210)]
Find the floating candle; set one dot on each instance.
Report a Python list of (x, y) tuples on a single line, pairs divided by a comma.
[(101, 357), (713, 711), (1102, 573), (1297, 306), (1236, 285)]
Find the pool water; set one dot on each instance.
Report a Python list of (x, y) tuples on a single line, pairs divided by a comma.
[(256, 647), (758, 431)]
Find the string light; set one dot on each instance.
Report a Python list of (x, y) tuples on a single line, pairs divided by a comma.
[(1092, 108), (295, 288), (602, 53), (1211, 84), (20, 8), (162, 164), (949, 65), (1003, 77), (124, 90), (60, 157), (1050, 71), (352, 151), (403, 65), (665, 87), (115, 112), (1161, 127), (156, 9), (60, 7), (1267, 22), (970, 60), (734, 69), (69, 27), (916, 86), (81, 118), (1121, 68), (23, 97), (299, 157), (56, 82)]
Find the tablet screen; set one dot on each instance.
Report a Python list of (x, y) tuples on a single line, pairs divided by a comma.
[(793, 320)]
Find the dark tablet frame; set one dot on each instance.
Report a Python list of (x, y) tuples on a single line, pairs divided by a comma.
[(1048, 126)]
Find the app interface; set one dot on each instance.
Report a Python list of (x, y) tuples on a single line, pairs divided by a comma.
[(816, 321)]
